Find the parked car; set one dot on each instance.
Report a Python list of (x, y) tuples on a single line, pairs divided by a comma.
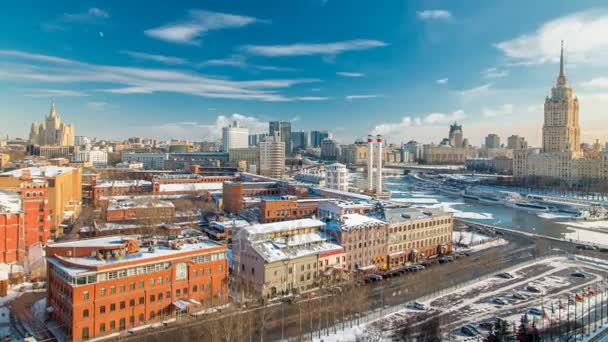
[(499, 301), (419, 306), (519, 295), (469, 330), (505, 275), (419, 267), (535, 311), (375, 277), (447, 258), (532, 288), (578, 275)]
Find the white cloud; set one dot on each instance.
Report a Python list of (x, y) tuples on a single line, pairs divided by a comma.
[(599, 82), (442, 81), (203, 131), (312, 98), (495, 73), (97, 105), (303, 49), (92, 13), (441, 118), (395, 131), (474, 92), (360, 97), (240, 61), (582, 33), (22, 66), (434, 15), (156, 58), (40, 92), (506, 109), (349, 74), (198, 23)]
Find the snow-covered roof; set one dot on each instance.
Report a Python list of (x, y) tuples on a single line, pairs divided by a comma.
[(222, 225), (81, 263), (10, 201), (354, 221), (122, 183), (139, 202), (343, 193), (40, 171), (292, 247), (264, 228), (106, 241), (182, 187)]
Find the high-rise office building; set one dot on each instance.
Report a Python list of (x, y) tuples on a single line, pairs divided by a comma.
[(317, 137), (234, 136), (300, 140), (492, 141), (272, 157), (283, 128)]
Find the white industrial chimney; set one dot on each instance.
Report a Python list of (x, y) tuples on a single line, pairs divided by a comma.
[(379, 171), (370, 163)]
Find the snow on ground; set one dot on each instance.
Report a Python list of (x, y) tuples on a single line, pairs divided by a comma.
[(490, 244), (588, 236), (473, 302), (39, 309), (416, 200), (469, 238), (553, 216), (587, 224), (449, 207)]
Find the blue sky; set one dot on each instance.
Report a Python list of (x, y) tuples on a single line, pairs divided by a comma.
[(401, 68)]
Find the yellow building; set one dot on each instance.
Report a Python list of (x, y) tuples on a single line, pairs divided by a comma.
[(65, 190), (4, 159), (52, 131)]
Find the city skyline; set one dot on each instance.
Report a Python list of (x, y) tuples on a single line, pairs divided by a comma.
[(183, 73)]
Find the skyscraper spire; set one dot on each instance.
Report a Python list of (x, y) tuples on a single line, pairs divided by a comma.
[(561, 61), (561, 80), (53, 111)]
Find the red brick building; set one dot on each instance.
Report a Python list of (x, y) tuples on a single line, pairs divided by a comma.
[(275, 210), (104, 285), (24, 220), (104, 188), (235, 192), (140, 208)]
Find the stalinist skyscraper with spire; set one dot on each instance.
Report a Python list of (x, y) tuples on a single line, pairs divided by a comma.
[(561, 131), (560, 157), (52, 131)]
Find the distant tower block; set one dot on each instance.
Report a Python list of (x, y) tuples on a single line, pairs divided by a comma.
[(379, 170), (370, 163)]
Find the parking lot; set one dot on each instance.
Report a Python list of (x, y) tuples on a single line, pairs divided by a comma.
[(544, 290)]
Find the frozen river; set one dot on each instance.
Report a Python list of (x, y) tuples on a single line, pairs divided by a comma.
[(559, 225)]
